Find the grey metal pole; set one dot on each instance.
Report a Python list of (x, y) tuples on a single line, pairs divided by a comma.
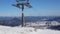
[(23, 15), (18, 5)]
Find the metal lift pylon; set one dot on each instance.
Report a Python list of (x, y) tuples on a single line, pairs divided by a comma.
[(21, 4)]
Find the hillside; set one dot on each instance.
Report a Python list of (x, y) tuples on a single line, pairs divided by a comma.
[(25, 30)]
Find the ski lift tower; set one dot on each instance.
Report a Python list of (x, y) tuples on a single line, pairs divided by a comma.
[(21, 4)]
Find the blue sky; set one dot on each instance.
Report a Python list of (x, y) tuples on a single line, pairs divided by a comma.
[(39, 8)]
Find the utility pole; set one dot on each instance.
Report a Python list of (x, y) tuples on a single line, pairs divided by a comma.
[(21, 4)]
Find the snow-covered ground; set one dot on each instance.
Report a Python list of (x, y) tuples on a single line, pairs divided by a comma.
[(26, 30), (43, 23)]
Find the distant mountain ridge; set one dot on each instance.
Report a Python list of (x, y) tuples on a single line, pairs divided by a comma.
[(16, 21)]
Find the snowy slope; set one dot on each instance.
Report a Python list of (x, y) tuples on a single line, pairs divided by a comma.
[(25, 30)]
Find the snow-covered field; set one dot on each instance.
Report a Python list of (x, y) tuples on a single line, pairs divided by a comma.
[(43, 23), (26, 30)]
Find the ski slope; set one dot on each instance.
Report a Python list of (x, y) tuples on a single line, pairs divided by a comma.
[(26, 30)]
